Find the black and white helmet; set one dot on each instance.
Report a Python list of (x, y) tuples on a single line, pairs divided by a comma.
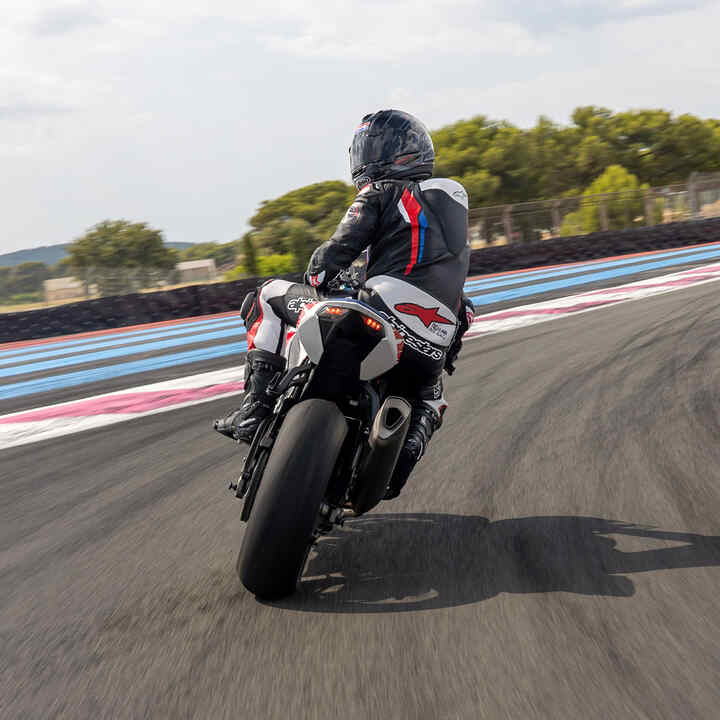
[(391, 144)]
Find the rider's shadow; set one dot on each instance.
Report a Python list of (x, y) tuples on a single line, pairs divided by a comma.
[(395, 563)]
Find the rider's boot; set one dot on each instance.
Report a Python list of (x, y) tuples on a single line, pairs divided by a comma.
[(425, 420), (242, 423)]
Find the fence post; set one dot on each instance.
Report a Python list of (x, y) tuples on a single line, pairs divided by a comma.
[(556, 221), (693, 195), (604, 223), (649, 210), (507, 223)]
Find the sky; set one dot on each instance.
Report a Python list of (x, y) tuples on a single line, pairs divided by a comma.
[(187, 115)]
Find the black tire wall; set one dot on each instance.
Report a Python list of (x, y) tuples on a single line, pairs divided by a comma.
[(196, 300)]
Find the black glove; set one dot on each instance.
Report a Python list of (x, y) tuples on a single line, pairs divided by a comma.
[(466, 313)]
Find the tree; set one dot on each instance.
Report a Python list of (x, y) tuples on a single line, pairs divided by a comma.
[(221, 253), (24, 279), (28, 277), (249, 254), (62, 268), (292, 226), (622, 205), (5, 275), (499, 163), (121, 256), (313, 203)]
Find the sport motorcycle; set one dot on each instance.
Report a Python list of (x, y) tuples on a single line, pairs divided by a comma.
[(330, 445)]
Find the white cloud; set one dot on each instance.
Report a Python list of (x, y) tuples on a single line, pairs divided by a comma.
[(66, 18), (399, 31), (188, 114)]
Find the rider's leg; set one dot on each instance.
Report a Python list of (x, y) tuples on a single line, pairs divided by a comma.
[(266, 312), (428, 406)]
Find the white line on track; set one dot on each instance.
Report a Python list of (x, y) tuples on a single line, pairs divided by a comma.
[(53, 421)]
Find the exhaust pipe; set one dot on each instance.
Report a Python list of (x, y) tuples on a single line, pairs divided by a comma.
[(387, 437)]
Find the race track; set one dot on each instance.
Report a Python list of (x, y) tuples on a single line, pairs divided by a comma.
[(556, 555)]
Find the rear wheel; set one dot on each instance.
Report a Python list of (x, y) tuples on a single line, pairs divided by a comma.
[(279, 530)]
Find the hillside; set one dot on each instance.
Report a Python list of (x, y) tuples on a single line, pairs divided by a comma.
[(51, 254)]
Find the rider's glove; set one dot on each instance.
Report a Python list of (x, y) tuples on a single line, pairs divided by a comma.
[(466, 313), (318, 280)]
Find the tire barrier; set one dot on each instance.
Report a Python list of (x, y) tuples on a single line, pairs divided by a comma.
[(123, 310), (195, 300)]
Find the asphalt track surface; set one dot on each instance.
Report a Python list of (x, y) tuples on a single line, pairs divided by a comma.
[(556, 555)]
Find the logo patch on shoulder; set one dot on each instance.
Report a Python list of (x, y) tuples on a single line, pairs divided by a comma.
[(353, 213)]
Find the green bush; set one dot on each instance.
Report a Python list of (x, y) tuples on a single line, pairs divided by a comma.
[(236, 273), (622, 209), (24, 298), (277, 264)]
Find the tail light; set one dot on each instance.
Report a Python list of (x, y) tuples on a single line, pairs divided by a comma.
[(371, 323), (334, 311)]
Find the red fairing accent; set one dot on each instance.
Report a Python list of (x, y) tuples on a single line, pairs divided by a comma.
[(252, 332), (413, 209), (400, 343), (303, 311)]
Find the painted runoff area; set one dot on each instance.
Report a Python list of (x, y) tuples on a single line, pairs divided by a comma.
[(585, 278), (70, 417)]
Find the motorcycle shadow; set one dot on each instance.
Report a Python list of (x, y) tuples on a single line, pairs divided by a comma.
[(403, 562)]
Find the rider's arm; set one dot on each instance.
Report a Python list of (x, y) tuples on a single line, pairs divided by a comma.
[(355, 232), (466, 314)]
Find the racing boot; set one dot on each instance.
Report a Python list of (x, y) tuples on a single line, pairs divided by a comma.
[(424, 421), (242, 423)]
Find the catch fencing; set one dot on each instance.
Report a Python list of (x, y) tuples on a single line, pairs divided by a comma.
[(698, 198)]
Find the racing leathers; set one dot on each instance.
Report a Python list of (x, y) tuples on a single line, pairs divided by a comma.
[(415, 235)]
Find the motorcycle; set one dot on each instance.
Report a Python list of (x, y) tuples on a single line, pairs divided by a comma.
[(328, 449)]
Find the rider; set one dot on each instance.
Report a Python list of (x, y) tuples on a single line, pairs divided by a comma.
[(415, 231)]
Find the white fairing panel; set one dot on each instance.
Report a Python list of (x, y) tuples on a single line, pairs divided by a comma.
[(294, 351), (309, 335), (382, 357), (307, 340), (422, 313)]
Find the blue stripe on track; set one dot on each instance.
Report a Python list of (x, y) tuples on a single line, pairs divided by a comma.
[(188, 326), (114, 340), (164, 337), (112, 353), (521, 277), (490, 298), (82, 377)]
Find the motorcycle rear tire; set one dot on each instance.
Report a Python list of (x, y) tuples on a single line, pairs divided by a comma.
[(279, 532)]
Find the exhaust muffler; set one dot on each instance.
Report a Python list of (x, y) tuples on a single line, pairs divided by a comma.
[(387, 437)]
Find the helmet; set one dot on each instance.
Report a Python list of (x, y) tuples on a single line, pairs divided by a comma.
[(390, 144)]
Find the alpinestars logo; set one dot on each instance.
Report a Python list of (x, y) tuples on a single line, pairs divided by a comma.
[(427, 316)]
